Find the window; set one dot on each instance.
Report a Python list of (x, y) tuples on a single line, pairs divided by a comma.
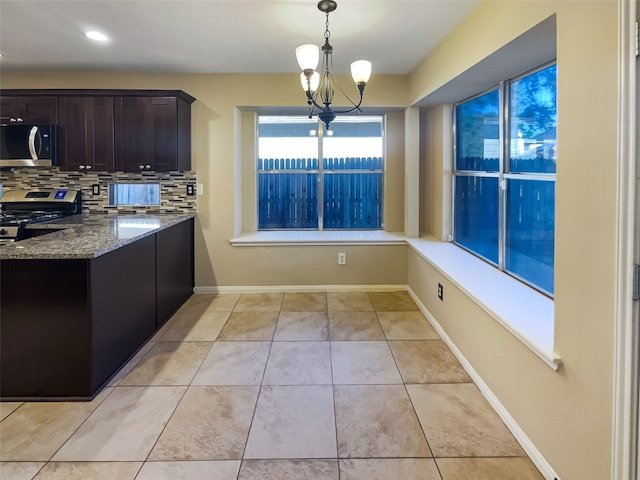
[(504, 176), (136, 194), (310, 178)]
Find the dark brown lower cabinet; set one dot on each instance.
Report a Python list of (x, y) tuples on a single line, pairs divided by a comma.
[(67, 326), (174, 268)]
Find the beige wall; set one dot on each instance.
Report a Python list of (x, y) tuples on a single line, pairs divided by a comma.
[(215, 134), (568, 414)]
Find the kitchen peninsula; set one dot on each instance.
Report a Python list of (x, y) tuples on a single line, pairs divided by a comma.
[(78, 302)]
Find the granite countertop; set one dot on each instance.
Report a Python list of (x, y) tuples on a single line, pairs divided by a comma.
[(88, 235)]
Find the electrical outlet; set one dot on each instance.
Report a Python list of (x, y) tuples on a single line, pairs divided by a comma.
[(342, 259), (440, 292), (95, 189), (191, 189)]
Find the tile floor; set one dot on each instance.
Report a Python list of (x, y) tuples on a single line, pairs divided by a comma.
[(322, 386)]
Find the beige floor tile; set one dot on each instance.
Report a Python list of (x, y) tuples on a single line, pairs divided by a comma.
[(302, 326), (165, 327), (377, 421), (299, 363), (214, 470), (233, 363), (19, 470), (406, 326), (488, 469), (357, 363), (37, 430), (8, 407), (389, 469), (196, 327), (427, 361), (459, 422), (168, 363), (89, 471), (219, 302), (304, 302), (349, 302), (259, 302), (130, 365), (210, 423), (289, 470), (354, 326), (293, 422), (249, 326), (394, 301), (124, 427)]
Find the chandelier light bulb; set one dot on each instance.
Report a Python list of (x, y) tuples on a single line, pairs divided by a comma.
[(308, 56), (361, 71)]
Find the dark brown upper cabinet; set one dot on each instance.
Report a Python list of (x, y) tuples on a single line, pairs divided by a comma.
[(152, 134), (86, 134), (111, 130), (41, 110)]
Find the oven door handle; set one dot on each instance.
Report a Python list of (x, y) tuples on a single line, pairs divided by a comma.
[(32, 142)]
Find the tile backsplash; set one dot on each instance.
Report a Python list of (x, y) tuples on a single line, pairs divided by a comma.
[(173, 187)]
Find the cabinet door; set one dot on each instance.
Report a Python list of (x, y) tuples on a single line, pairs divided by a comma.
[(37, 110), (164, 133), (152, 133), (174, 268), (86, 134), (132, 134)]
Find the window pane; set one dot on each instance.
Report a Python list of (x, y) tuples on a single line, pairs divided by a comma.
[(134, 194), (530, 231), (353, 200), (287, 200), (476, 215), (532, 128), (478, 133)]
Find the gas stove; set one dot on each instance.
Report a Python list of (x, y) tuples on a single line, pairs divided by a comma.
[(23, 207)]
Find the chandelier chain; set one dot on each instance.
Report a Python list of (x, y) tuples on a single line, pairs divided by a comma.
[(327, 33)]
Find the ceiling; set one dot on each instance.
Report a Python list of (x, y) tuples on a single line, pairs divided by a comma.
[(210, 36)]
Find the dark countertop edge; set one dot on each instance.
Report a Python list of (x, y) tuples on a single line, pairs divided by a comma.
[(98, 253)]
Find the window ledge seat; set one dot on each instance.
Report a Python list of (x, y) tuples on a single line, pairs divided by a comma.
[(314, 237), (523, 311)]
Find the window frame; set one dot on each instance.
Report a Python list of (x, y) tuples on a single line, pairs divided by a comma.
[(320, 172), (503, 174)]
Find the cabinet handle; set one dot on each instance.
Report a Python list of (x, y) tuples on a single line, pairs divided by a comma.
[(81, 167)]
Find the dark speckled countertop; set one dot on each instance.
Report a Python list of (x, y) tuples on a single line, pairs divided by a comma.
[(88, 235)]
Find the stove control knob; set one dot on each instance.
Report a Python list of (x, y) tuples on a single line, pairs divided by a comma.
[(88, 167), (81, 167), (141, 167)]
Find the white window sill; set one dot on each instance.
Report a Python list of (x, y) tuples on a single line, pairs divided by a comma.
[(525, 312), (314, 237)]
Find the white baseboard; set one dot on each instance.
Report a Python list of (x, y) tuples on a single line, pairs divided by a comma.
[(527, 445), (298, 288)]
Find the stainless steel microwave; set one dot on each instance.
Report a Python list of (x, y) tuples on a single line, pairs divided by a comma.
[(28, 145)]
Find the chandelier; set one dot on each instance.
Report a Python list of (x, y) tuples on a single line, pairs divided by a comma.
[(319, 86)]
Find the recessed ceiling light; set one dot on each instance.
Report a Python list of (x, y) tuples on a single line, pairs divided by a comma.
[(97, 36)]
